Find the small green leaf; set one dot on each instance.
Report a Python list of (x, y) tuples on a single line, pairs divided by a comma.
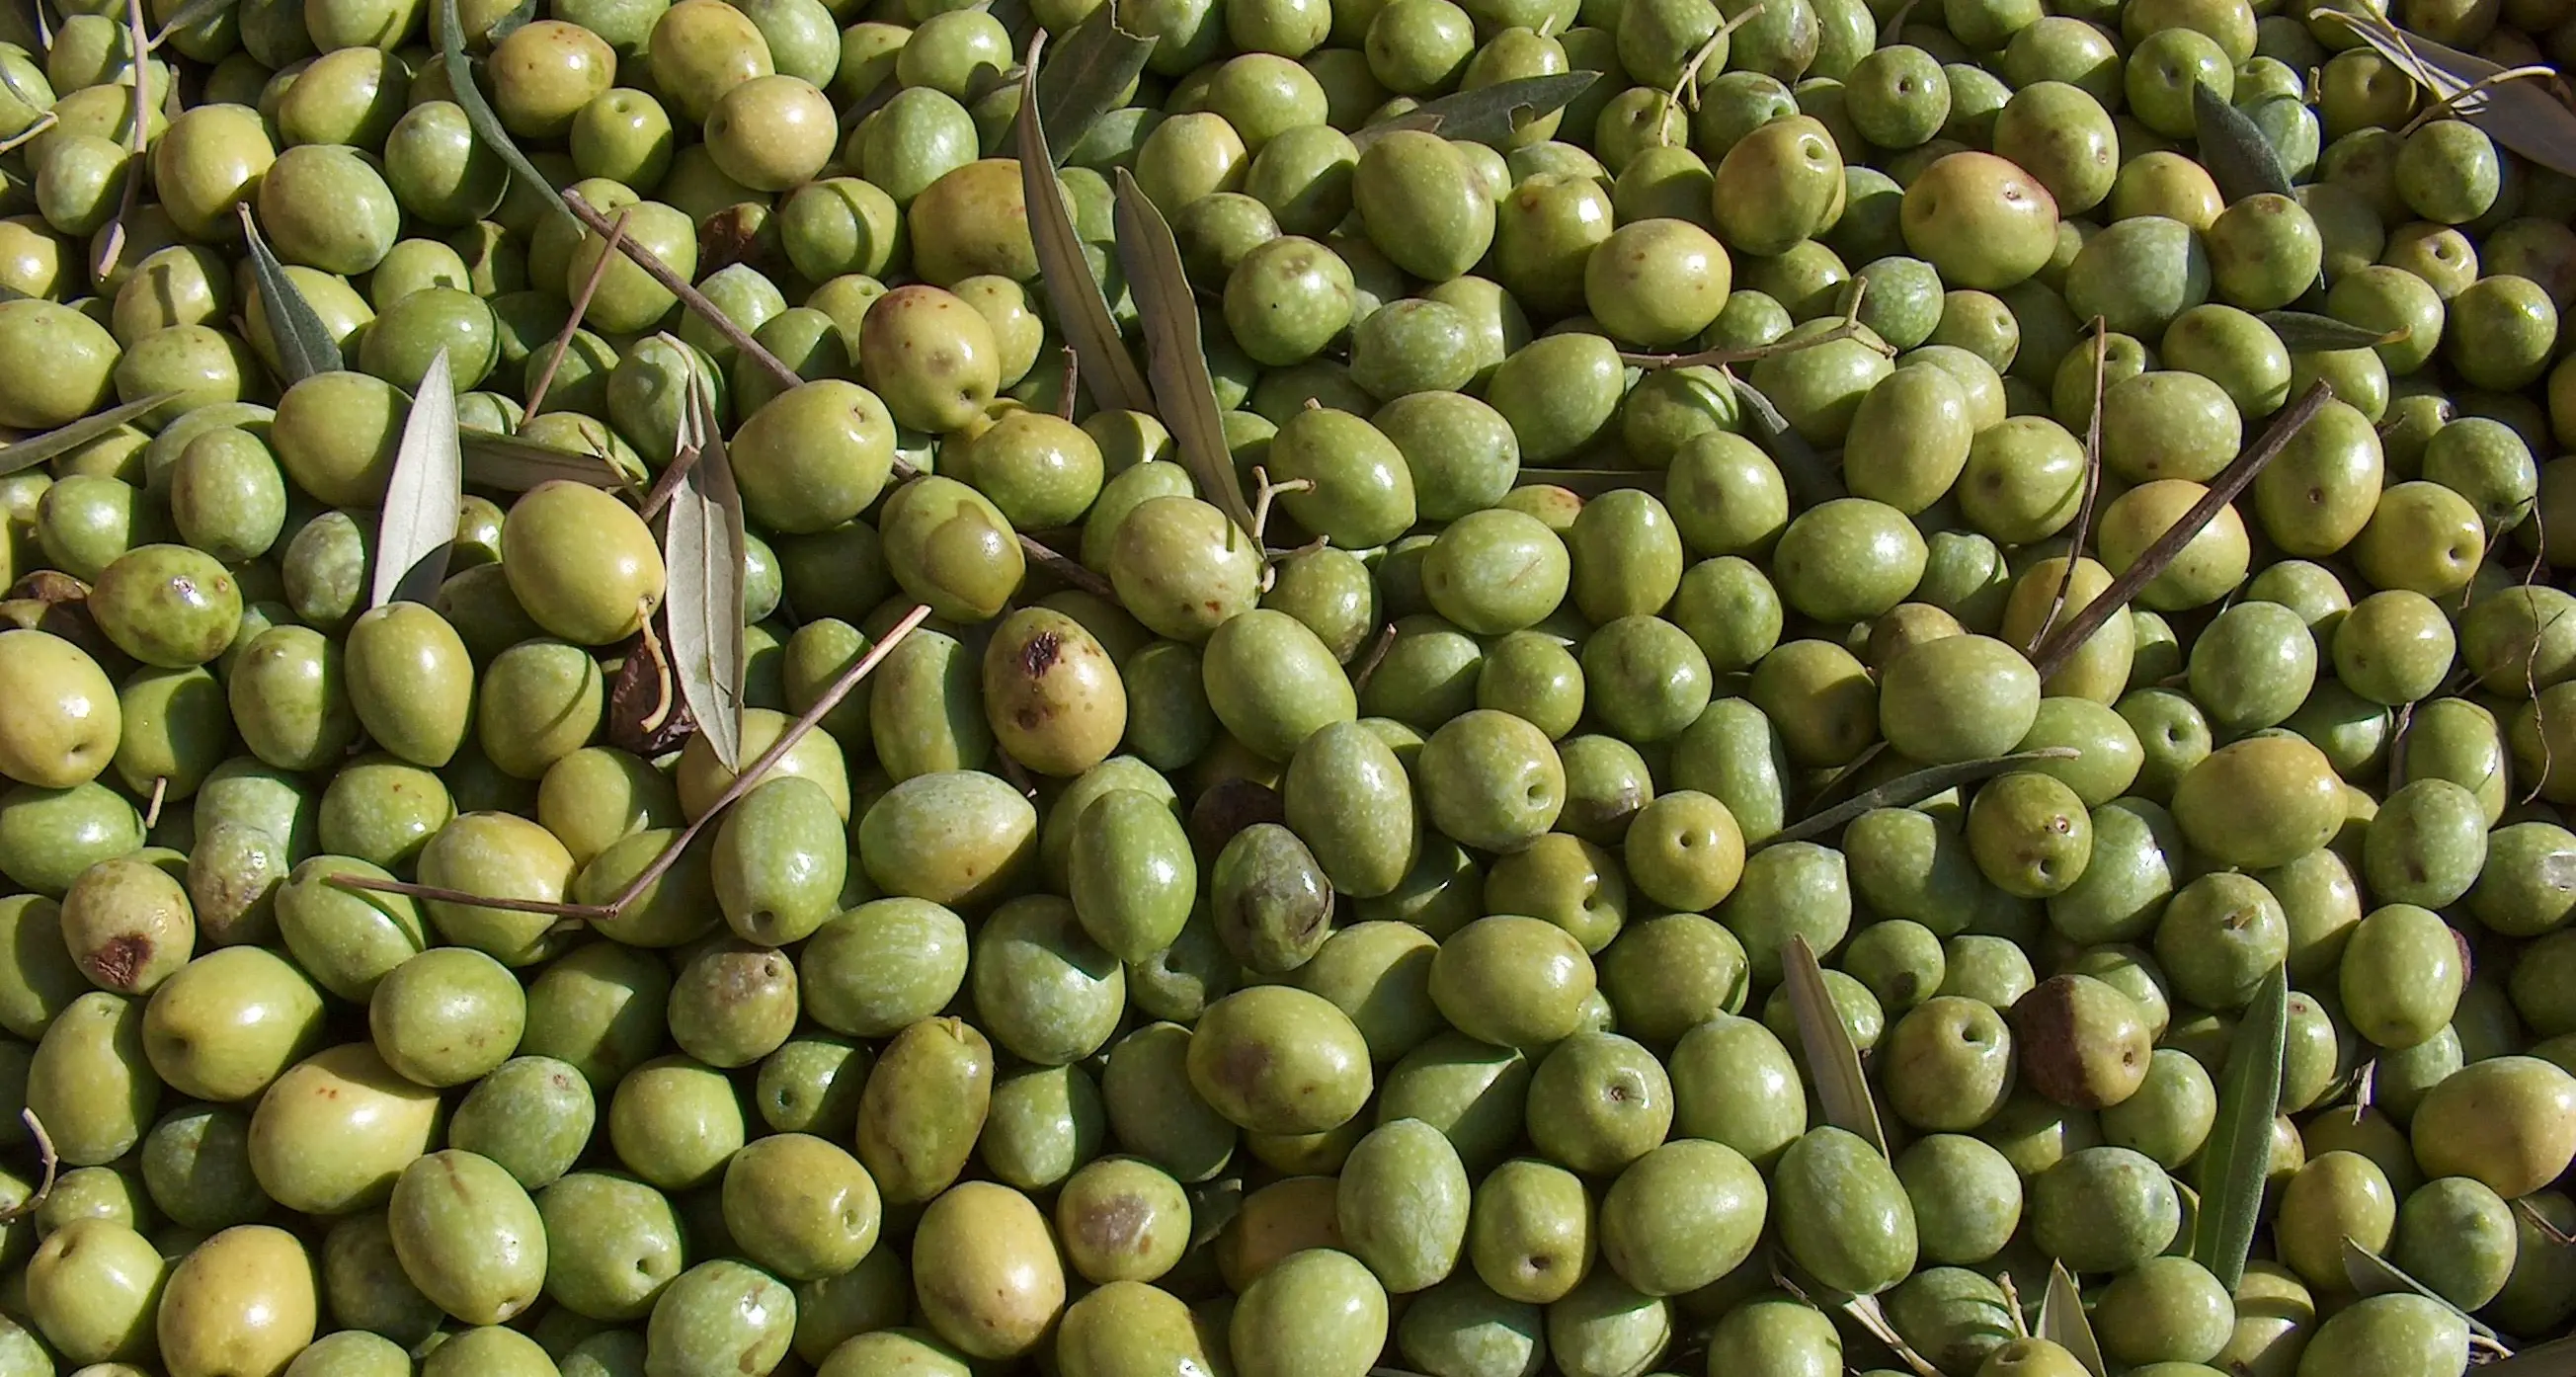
[(2240, 160), (1488, 114), (506, 463), (2373, 1275), (1081, 312), (2305, 332), (1086, 77), (2062, 1321), (2238, 1156), (487, 126), (508, 24), (36, 449), (304, 343), (704, 548), (416, 531), (1842, 1088), (1175, 357)]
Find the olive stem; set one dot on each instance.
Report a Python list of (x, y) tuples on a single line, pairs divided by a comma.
[(152, 810), (1376, 655), (1872, 1317), (51, 1162), (2540, 1223), (1072, 380), (1904, 791), (31, 133), (2449, 104), (787, 377), (1755, 353), (661, 864), (572, 322), (1688, 81), (2150, 563), (2012, 1302), (1849, 772), (112, 247), (2083, 528)]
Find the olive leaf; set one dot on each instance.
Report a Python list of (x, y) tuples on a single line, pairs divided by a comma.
[(416, 531), (1488, 114), (190, 15), (2305, 332), (1905, 791), (478, 112), (2557, 1358), (2519, 113), (1842, 1088), (1591, 482), (2238, 1157), (1811, 480), (704, 548), (304, 343), (36, 449), (1866, 1312), (1088, 77), (2240, 160), (2062, 1321), (508, 24), (1081, 312), (1175, 358), (2373, 1275), (506, 463)]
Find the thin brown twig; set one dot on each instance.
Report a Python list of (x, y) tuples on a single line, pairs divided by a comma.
[(31, 133), (1072, 380), (2151, 562), (1376, 655), (670, 855), (112, 248), (572, 323), (2092, 488), (2541, 1224), (1688, 81)]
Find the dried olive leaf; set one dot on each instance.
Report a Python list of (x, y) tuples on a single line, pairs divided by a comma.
[(416, 531)]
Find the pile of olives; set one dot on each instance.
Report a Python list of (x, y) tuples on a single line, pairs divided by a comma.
[(1655, 784)]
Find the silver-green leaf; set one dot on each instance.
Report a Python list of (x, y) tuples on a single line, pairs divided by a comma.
[(1175, 358), (2238, 1156), (1081, 311), (487, 126), (2063, 1323), (703, 546), (63, 439), (1086, 77), (1488, 114), (416, 531), (2240, 160), (2519, 113), (1842, 1088), (304, 343)]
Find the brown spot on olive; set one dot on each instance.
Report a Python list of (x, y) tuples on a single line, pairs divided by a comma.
[(117, 963)]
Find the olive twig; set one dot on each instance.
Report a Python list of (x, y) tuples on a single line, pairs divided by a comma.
[(1376, 655), (1728, 355), (1688, 81), (670, 854), (2222, 490), (2012, 1303), (572, 323), (31, 133), (2397, 750), (2541, 1224), (1870, 1315), (1264, 491), (2450, 104), (112, 247), (1072, 380), (2083, 528), (152, 809), (47, 1159), (1904, 791), (1835, 782)]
